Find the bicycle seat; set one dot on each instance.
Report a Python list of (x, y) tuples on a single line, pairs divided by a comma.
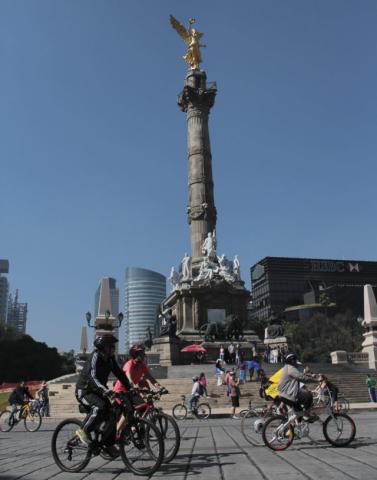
[(83, 408)]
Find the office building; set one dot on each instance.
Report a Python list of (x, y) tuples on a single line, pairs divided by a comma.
[(17, 314), (278, 283), (144, 291), (4, 290)]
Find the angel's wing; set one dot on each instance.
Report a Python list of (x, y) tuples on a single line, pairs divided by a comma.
[(180, 29)]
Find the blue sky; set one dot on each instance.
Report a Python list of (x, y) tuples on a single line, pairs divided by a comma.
[(93, 149)]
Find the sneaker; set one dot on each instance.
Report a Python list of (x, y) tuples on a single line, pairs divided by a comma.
[(111, 451), (235, 417), (82, 436)]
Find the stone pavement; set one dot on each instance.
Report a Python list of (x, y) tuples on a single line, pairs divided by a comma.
[(213, 449)]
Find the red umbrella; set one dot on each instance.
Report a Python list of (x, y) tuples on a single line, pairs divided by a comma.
[(193, 348)]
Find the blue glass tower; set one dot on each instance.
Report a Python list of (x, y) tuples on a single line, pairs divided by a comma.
[(144, 291)]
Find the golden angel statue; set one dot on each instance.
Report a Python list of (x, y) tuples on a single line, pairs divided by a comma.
[(191, 36)]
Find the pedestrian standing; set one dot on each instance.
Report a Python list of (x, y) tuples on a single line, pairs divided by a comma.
[(222, 353), (371, 384), (231, 352), (234, 394), (43, 396), (242, 368), (219, 372), (203, 383), (250, 367), (238, 353)]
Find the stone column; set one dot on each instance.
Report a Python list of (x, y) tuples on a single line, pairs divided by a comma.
[(196, 100), (370, 324)]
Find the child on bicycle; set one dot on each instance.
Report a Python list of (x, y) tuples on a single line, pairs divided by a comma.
[(197, 391)]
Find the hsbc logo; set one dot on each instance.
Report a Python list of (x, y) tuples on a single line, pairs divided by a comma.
[(330, 266), (353, 267)]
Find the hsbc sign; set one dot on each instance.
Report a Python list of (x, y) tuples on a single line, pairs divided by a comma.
[(330, 266)]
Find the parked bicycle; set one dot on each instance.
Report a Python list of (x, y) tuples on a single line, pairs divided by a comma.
[(340, 405), (279, 431), (201, 410), (32, 418), (140, 443)]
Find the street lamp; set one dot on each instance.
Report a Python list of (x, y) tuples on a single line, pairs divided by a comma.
[(120, 317)]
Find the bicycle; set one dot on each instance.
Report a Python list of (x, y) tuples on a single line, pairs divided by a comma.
[(164, 422), (32, 419), (254, 418), (140, 443), (201, 410), (279, 431), (341, 404)]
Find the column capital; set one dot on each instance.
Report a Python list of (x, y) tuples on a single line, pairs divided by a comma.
[(197, 98)]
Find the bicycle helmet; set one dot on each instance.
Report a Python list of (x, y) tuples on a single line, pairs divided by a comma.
[(195, 378), (136, 349), (258, 425), (102, 341), (291, 359)]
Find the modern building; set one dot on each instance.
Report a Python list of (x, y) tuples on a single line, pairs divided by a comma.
[(17, 314), (144, 291), (107, 298), (4, 290), (278, 283)]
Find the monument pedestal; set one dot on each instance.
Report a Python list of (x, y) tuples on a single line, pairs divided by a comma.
[(198, 304), (168, 350), (276, 342)]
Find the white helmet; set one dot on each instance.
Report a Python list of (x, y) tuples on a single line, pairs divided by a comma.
[(258, 425)]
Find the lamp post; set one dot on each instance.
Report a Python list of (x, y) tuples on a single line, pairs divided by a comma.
[(106, 325)]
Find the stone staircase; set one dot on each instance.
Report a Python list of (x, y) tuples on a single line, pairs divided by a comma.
[(350, 381)]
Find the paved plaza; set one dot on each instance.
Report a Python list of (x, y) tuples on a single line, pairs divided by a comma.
[(213, 449)]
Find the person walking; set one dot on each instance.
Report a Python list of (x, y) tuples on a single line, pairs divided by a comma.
[(231, 352), (234, 395), (371, 384)]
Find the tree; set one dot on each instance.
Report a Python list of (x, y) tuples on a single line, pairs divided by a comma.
[(316, 338)]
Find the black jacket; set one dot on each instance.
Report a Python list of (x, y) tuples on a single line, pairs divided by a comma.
[(18, 395), (93, 377)]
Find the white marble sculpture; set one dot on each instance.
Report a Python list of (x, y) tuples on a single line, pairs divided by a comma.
[(370, 324), (236, 268), (205, 271), (225, 269), (186, 267), (174, 278), (209, 246)]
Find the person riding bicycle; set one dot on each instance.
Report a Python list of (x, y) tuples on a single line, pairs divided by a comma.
[(19, 397), (289, 390), (92, 391), (197, 391), (138, 374)]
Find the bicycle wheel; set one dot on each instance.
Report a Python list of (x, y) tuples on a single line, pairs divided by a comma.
[(247, 426), (339, 429), (277, 436), (69, 452), (170, 434), (7, 421), (180, 411), (141, 447), (203, 411), (32, 421), (343, 405)]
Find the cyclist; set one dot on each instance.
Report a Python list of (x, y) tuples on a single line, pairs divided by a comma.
[(325, 388), (19, 397), (289, 389), (92, 391), (137, 373), (197, 391), (44, 399)]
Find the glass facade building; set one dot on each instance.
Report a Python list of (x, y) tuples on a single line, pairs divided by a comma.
[(144, 291)]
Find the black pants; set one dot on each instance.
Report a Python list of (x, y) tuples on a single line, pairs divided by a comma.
[(304, 400), (99, 409)]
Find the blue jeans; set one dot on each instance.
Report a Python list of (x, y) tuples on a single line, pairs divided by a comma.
[(372, 394), (193, 402)]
